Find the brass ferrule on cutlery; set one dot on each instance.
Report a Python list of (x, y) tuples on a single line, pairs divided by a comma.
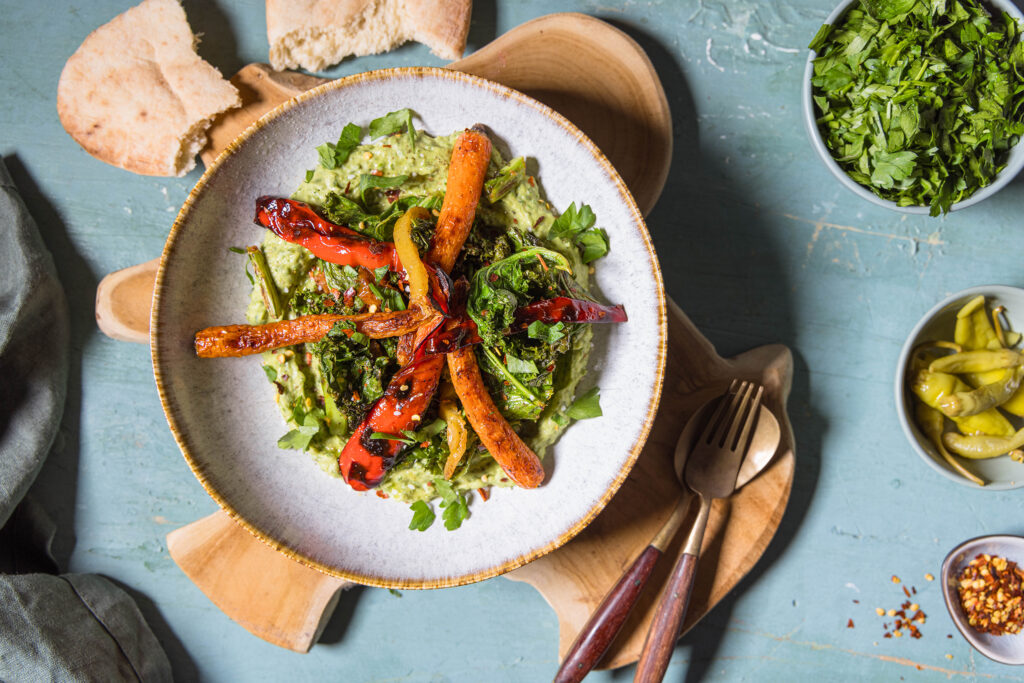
[(696, 535)]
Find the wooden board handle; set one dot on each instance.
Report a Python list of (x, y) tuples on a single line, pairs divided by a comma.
[(123, 301), (271, 595), (606, 622)]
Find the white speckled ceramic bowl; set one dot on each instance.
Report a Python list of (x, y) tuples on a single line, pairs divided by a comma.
[(1013, 165), (1001, 473), (1007, 648), (222, 412)]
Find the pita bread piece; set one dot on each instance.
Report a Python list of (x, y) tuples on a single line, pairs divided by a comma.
[(314, 34), (136, 94)]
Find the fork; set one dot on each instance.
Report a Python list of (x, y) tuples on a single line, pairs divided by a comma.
[(710, 472)]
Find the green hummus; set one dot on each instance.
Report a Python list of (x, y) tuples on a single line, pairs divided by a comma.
[(298, 382)]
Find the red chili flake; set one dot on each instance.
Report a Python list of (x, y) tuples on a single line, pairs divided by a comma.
[(887, 635), (849, 624), (381, 494), (388, 146), (913, 590), (392, 194), (542, 264), (309, 359), (906, 592), (377, 173), (348, 187), (530, 180), (484, 493), (856, 602)]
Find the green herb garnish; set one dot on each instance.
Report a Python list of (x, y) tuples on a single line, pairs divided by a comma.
[(300, 437), (422, 516), (577, 226), (549, 333), (454, 504), (336, 154), (394, 122), (920, 100), (270, 372), (586, 406), (369, 182)]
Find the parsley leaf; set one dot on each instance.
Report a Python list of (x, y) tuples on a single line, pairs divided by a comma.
[(577, 226), (422, 516), (594, 243), (336, 154), (369, 182), (392, 437), (394, 122), (545, 332), (519, 366), (572, 222), (270, 372), (586, 406), (456, 509), (299, 438)]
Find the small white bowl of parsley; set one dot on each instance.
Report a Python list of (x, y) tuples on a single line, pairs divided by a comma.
[(918, 105)]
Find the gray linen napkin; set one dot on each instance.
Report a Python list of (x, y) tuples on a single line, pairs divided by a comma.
[(73, 627)]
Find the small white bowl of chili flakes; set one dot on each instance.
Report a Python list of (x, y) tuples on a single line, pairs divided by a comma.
[(983, 585)]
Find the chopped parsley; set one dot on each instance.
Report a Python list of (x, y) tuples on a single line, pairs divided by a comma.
[(920, 100)]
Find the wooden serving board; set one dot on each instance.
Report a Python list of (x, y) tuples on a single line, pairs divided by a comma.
[(286, 603)]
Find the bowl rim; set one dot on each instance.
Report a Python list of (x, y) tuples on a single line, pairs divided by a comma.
[(949, 595), (902, 367), (662, 328), (1003, 178)]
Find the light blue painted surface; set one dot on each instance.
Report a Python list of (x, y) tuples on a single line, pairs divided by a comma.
[(758, 243)]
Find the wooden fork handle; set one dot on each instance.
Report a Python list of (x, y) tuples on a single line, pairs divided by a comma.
[(668, 617), (607, 620)]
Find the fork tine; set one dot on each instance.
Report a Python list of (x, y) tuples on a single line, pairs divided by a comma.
[(728, 415), (727, 432), (711, 428), (747, 421)]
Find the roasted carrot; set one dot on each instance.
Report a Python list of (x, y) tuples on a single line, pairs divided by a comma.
[(519, 462), (243, 340), (466, 173)]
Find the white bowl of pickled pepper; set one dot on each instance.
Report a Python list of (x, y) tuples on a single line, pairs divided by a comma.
[(982, 585), (960, 387)]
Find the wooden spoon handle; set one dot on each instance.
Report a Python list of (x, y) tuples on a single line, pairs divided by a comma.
[(668, 617), (607, 620)]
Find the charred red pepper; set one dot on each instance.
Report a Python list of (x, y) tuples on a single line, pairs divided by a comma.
[(566, 310), (296, 222), (365, 460)]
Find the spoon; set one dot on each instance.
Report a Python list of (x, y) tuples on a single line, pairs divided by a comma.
[(607, 620), (587, 70)]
